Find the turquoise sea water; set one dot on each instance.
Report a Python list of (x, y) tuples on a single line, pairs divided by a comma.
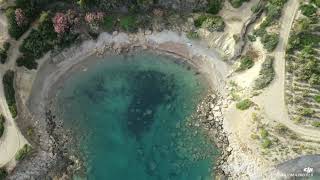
[(130, 116)]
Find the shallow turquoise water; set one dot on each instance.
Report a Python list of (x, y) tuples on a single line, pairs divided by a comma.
[(130, 116)]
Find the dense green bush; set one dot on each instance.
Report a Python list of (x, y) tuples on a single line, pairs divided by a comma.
[(35, 45), (266, 73), (316, 124), (308, 9), (9, 92), (270, 41), (266, 143), (246, 62), (215, 6), (27, 61), (306, 112), (23, 152), (317, 98), (3, 55), (3, 173), (129, 23), (39, 42), (14, 30), (1, 125), (237, 3), (273, 11), (316, 2), (198, 21), (263, 133), (244, 104), (298, 41), (213, 23)]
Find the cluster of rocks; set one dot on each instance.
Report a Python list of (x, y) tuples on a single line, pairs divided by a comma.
[(209, 116)]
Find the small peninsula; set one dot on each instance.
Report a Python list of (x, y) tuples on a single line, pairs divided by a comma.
[(159, 89)]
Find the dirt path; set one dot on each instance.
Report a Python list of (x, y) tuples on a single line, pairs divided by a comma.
[(12, 140), (272, 100)]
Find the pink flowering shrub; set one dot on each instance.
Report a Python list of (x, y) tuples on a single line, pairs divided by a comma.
[(94, 18), (21, 18), (60, 23), (63, 22)]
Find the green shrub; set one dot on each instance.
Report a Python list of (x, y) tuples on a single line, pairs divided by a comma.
[(245, 63), (215, 6), (254, 136), (266, 73), (27, 61), (256, 8), (273, 11), (266, 143), (193, 35), (270, 41), (252, 38), (244, 104), (316, 124), (128, 23), (263, 133), (109, 22), (23, 152), (3, 173), (9, 92), (1, 125), (306, 112), (308, 10), (281, 129), (260, 32), (3, 56), (198, 22), (316, 2), (237, 3), (213, 23), (6, 45), (35, 45), (14, 30), (317, 98)]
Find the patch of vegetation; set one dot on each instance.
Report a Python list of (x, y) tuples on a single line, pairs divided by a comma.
[(281, 129), (237, 3), (244, 104), (128, 23), (270, 41), (109, 22), (256, 8), (263, 133), (316, 124), (2, 120), (298, 41), (266, 73), (266, 143), (39, 42), (23, 152), (9, 92), (246, 62), (254, 136), (308, 10), (14, 29), (209, 22), (317, 98), (316, 2), (306, 112), (4, 52), (3, 173), (215, 6), (193, 35), (252, 38)]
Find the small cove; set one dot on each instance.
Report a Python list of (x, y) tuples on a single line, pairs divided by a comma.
[(130, 118)]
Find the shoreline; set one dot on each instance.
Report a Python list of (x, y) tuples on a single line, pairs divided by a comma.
[(53, 70)]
